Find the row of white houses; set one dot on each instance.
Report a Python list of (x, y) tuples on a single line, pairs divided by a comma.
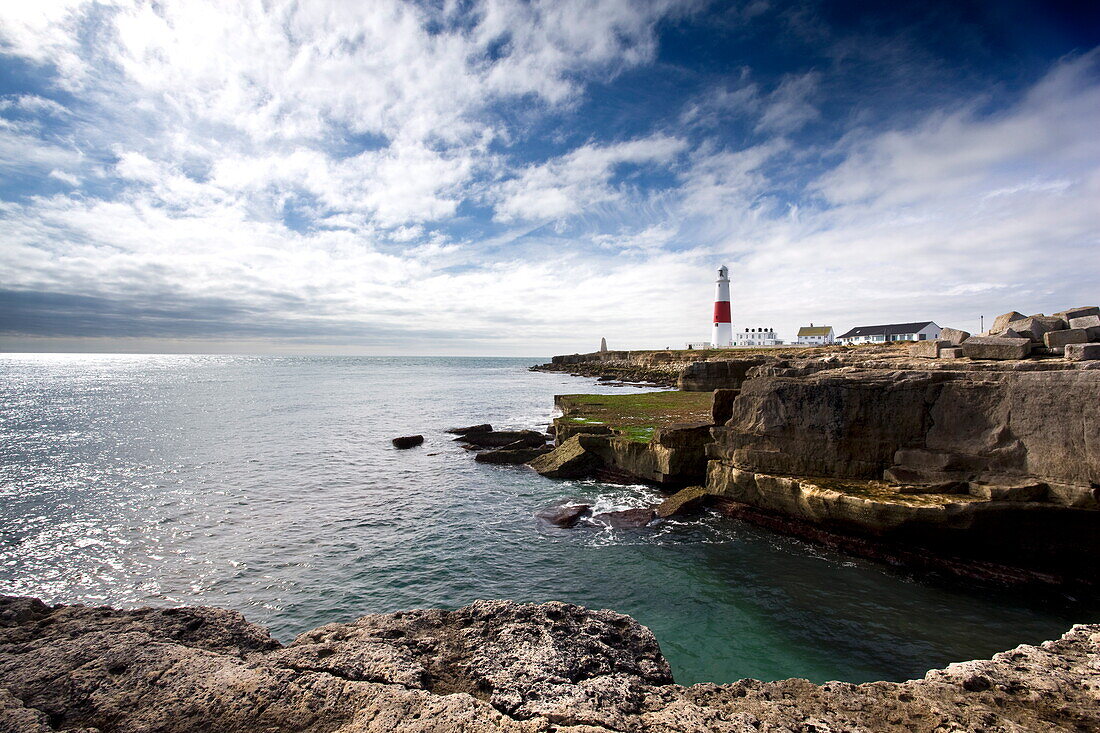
[(823, 335), (917, 331)]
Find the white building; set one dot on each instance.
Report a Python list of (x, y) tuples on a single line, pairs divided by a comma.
[(812, 335), (919, 331), (756, 337)]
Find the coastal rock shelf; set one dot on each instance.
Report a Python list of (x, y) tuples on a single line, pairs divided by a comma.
[(492, 666), (984, 468)]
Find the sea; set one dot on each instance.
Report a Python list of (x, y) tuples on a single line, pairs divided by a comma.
[(268, 485)]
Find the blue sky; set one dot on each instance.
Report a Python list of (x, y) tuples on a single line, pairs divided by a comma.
[(523, 178)]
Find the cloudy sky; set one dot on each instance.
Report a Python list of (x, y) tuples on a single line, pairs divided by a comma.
[(498, 177)]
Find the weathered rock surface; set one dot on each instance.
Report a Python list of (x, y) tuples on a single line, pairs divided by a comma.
[(511, 456), (482, 428), (502, 438), (996, 347), (564, 515), (683, 501), (492, 666), (575, 458), (1082, 352), (627, 518)]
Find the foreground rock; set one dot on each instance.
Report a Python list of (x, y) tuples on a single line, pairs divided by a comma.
[(492, 666), (408, 441), (683, 501)]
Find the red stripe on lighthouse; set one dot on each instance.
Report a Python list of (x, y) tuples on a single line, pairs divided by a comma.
[(722, 311)]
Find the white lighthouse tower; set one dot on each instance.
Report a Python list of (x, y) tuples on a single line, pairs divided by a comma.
[(722, 334)]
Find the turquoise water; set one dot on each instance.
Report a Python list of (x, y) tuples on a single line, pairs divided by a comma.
[(268, 485)]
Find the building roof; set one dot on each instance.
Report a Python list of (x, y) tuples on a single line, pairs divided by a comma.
[(815, 330), (890, 329)]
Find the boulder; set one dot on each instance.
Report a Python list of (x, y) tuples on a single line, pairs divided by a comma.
[(1081, 312), (1002, 321), (1085, 322), (511, 456), (483, 428), (954, 335), (627, 518), (407, 441), (928, 349), (572, 459), (501, 438), (682, 502), (995, 347), (1035, 491), (1082, 352), (563, 515), (1033, 327), (1057, 340), (951, 352), (721, 407)]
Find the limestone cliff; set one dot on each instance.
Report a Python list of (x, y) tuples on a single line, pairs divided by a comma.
[(492, 666)]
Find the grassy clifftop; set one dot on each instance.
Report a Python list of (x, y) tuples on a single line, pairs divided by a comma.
[(635, 416)]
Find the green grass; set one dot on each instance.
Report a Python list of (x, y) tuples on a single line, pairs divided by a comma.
[(636, 416)]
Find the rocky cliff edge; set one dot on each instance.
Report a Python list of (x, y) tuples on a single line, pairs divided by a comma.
[(491, 666)]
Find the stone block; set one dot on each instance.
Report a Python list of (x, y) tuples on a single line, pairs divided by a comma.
[(951, 352), (1082, 352), (1085, 322), (994, 347), (1033, 327), (928, 349), (1081, 312), (1019, 492), (1056, 340), (1002, 321), (955, 335)]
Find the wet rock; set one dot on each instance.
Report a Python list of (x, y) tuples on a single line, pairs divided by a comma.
[(683, 501), (627, 518), (482, 428), (502, 438), (575, 458), (564, 515), (511, 456), (408, 441)]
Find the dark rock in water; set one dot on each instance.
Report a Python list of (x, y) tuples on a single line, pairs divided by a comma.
[(408, 441), (509, 455), (483, 428), (682, 502), (502, 438), (628, 518), (563, 515)]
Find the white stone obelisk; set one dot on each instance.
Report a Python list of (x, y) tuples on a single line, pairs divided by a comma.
[(722, 334)]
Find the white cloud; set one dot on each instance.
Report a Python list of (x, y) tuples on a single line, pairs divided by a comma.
[(579, 179), (790, 105)]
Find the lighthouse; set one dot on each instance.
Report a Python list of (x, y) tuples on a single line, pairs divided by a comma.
[(723, 331)]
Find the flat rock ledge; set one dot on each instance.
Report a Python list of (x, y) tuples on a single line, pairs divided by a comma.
[(491, 666)]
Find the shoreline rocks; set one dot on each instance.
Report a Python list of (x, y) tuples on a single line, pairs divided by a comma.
[(491, 666), (407, 441)]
